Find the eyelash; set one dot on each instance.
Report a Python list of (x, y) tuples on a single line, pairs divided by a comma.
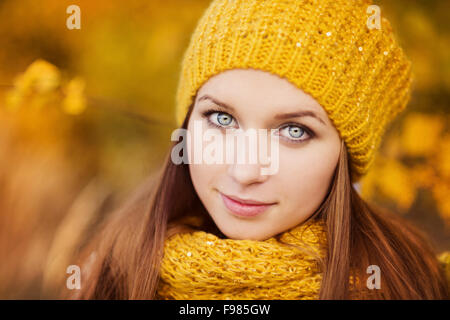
[(310, 133)]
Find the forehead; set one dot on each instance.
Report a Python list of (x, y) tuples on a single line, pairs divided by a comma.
[(252, 90)]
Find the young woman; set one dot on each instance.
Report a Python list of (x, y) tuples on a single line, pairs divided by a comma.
[(326, 80)]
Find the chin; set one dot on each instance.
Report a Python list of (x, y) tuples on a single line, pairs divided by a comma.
[(231, 232)]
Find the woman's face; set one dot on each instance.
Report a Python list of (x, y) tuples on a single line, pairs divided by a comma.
[(308, 152)]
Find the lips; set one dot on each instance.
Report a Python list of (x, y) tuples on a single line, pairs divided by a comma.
[(245, 207)]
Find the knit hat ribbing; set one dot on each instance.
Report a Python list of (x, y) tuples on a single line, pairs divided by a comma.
[(360, 76)]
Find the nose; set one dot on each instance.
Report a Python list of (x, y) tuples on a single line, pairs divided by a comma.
[(247, 167), (247, 174)]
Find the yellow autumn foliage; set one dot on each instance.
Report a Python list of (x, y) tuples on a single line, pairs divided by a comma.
[(42, 83), (443, 157), (421, 134), (41, 78), (441, 192), (424, 140), (393, 182), (75, 101)]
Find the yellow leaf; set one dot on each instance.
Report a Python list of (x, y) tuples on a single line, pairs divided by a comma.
[(421, 134), (443, 157), (441, 193), (75, 101), (41, 76), (396, 184)]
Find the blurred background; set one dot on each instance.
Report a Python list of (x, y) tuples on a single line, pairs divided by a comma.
[(86, 114)]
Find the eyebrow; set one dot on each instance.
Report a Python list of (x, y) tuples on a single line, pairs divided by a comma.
[(297, 114), (222, 104)]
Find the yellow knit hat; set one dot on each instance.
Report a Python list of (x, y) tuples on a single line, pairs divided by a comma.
[(327, 48)]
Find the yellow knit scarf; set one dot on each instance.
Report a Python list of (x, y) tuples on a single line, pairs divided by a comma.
[(200, 266)]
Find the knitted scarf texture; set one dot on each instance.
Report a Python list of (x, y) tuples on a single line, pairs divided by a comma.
[(200, 266)]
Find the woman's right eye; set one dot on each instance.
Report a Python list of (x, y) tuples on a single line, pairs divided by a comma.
[(221, 119)]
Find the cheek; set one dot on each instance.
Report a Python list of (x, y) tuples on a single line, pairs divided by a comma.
[(206, 180), (205, 177), (305, 175)]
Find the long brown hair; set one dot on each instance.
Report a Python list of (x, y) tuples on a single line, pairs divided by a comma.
[(122, 261)]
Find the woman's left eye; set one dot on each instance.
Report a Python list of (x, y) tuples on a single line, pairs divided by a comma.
[(294, 133)]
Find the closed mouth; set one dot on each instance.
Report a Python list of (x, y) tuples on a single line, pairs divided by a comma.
[(245, 207), (249, 201)]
